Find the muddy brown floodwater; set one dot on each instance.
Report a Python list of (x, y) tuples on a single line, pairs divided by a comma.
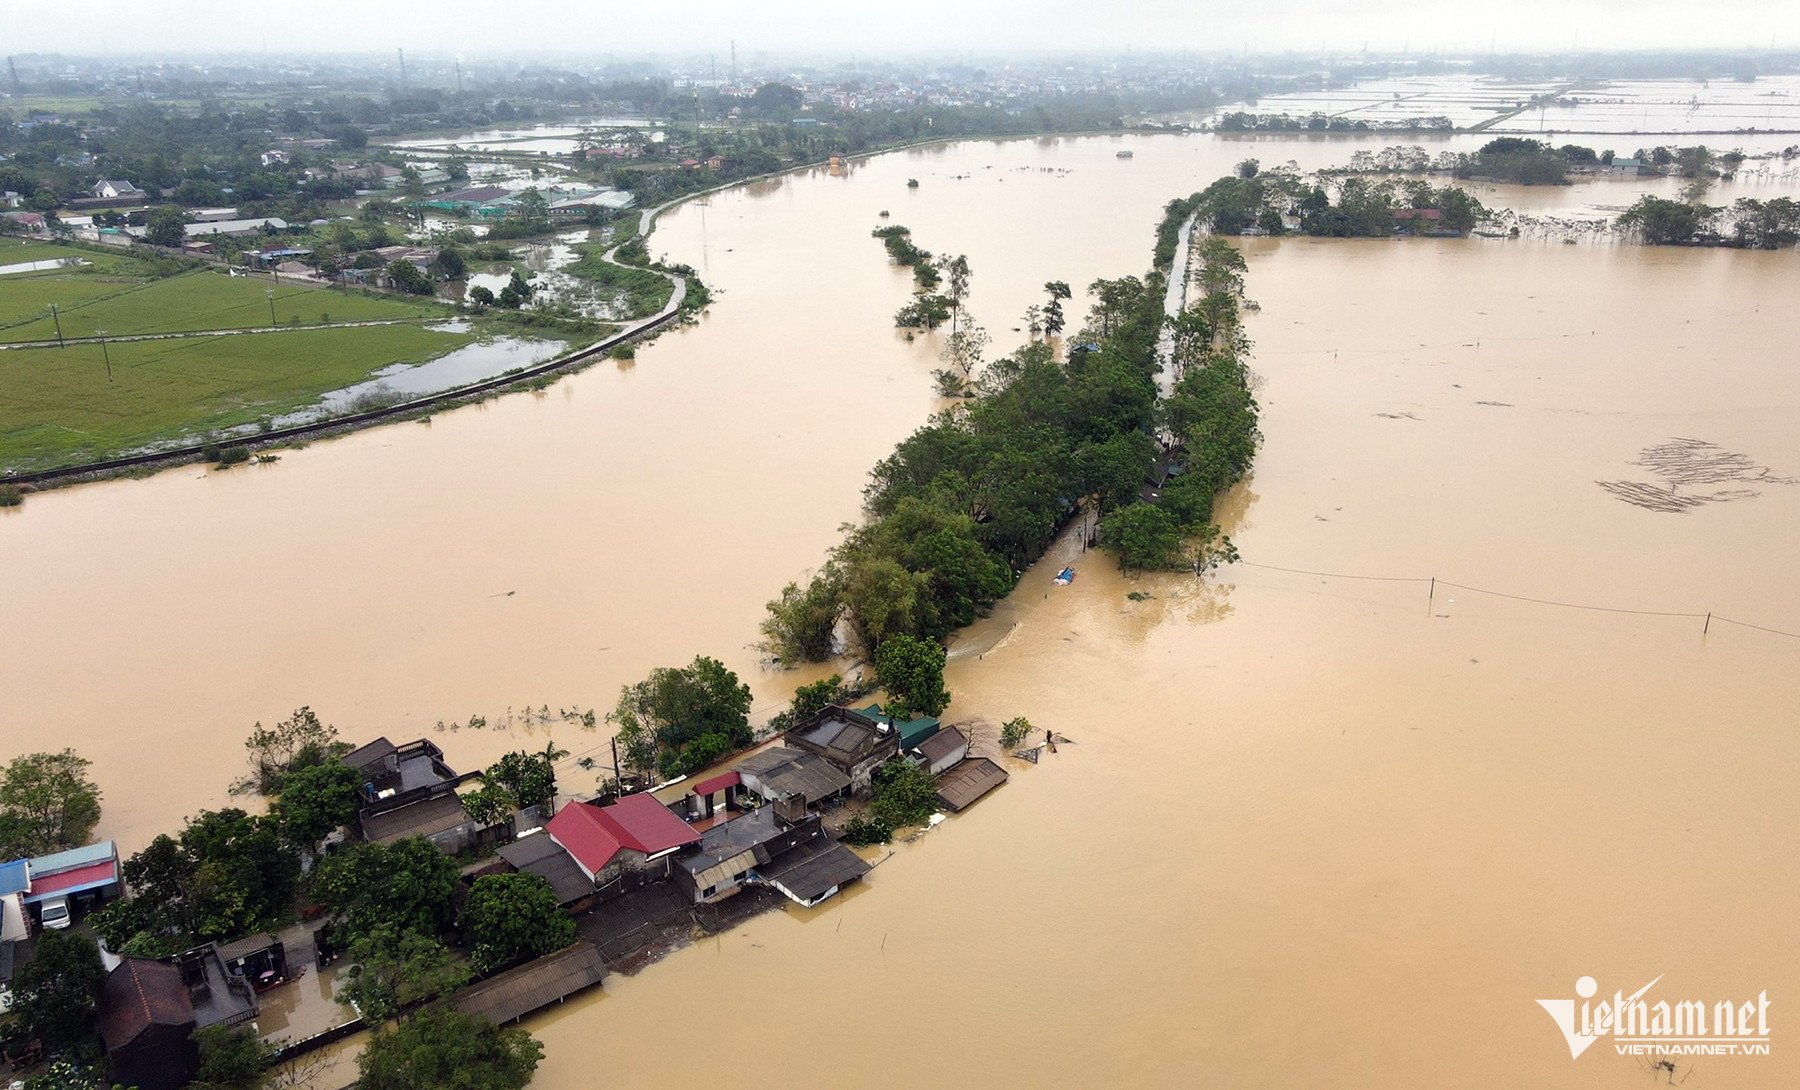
[(1314, 830)]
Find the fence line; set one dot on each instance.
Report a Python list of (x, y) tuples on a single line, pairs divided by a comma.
[(1709, 618)]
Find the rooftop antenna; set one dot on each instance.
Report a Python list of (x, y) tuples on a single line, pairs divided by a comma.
[(402, 53)]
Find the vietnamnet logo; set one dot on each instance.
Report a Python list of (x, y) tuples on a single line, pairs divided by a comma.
[(1639, 1027)]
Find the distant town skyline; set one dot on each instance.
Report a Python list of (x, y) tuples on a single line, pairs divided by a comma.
[(920, 27)]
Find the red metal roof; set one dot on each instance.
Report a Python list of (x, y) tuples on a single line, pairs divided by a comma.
[(718, 783), (640, 822), (103, 871), (595, 834), (577, 827)]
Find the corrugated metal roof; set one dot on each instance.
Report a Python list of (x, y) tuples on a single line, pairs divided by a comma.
[(718, 783), (74, 857), (942, 744), (793, 772), (540, 855), (968, 781), (536, 984), (810, 869), (428, 817), (91, 876), (15, 877)]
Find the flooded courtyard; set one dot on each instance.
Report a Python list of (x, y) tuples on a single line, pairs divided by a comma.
[(1332, 816)]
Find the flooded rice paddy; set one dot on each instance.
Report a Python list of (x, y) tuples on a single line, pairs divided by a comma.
[(1325, 822)]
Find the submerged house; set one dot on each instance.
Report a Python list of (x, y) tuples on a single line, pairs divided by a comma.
[(852, 742), (779, 772), (625, 845), (943, 750), (409, 791), (911, 731), (150, 1010), (729, 853)]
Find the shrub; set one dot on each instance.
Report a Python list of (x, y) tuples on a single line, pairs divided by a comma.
[(1014, 731), (864, 829), (235, 455), (11, 495)]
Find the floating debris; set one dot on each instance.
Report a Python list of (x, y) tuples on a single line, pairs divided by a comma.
[(1065, 577), (1691, 463)]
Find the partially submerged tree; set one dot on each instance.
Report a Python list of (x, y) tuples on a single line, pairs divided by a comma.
[(299, 741), (911, 671), (315, 802), (680, 719), (48, 804), (406, 886)]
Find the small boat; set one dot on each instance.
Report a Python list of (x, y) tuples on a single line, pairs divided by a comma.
[(1122, 154), (1065, 577)]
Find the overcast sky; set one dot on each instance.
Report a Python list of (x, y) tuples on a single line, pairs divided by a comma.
[(843, 27)]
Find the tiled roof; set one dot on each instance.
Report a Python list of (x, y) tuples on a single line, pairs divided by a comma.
[(141, 993)]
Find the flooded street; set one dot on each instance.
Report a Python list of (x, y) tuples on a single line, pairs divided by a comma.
[(1314, 830)]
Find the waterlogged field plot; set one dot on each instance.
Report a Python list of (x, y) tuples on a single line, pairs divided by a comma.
[(58, 406), (1465, 100), (1670, 106)]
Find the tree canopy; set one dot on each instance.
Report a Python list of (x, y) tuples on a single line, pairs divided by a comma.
[(444, 1049), (682, 718), (408, 885), (510, 918), (911, 671), (57, 992), (48, 803)]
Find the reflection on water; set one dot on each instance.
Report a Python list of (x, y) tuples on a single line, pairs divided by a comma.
[(466, 365), (1313, 830)]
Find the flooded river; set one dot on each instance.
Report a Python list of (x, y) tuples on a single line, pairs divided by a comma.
[(1314, 831)]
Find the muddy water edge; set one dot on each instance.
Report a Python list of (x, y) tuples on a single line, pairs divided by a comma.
[(1314, 829)]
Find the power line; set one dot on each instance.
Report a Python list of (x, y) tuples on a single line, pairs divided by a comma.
[(1434, 581)]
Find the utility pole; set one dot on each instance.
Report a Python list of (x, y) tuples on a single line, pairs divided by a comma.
[(58, 321), (402, 54), (106, 354), (271, 294), (459, 77)]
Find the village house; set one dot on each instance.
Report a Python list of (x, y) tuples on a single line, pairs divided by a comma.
[(274, 157), (28, 223), (55, 890), (150, 1010), (967, 781), (854, 743), (409, 791), (115, 190), (622, 846), (729, 852), (943, 750), (911, 731), (780, 772)]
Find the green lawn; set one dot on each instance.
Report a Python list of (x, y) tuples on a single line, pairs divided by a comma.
[(56, 406), (207, 299)]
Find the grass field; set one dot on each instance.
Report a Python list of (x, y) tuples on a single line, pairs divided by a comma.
[(56, 406), (97, 299)]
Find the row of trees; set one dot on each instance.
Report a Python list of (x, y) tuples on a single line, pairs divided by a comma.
[(1360, 208), (1749, 224), (969, 500)]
